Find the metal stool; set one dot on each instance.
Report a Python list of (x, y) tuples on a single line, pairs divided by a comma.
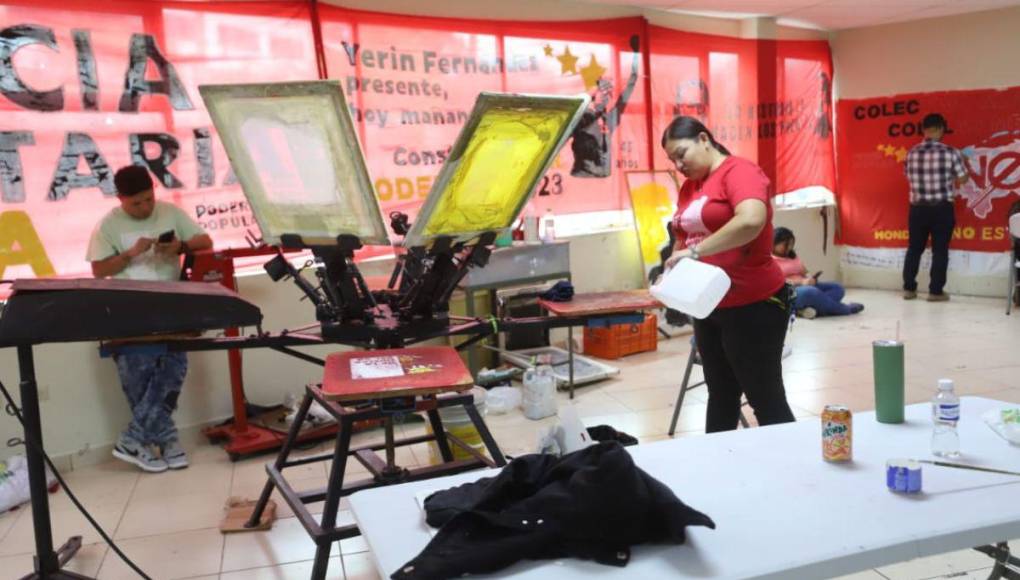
[(693, 359), (375, 385)]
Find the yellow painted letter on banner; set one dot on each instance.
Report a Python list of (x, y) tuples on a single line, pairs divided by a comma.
[(20, 244)]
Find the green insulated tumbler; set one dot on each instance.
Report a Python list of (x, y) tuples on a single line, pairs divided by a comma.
[(888, 362)]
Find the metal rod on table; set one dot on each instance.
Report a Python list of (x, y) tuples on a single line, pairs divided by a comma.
[(391, 455), (473, 358), (964, 466), (570, 357)]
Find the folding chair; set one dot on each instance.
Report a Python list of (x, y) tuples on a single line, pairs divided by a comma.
[(693, 359)]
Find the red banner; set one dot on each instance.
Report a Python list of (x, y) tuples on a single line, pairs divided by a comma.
[(716, 79), (412, 82), (803, 123), (874, 138), (713, 78), (89, 87)]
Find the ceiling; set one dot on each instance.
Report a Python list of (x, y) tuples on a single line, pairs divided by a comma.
[(822, 14)]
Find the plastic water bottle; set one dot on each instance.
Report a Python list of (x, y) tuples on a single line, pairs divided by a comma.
[(545, 374), (539, 400), (530, 224), (548, 227), (945, 411)]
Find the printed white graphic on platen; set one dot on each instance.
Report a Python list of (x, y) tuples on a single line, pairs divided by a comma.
[(376, 367)]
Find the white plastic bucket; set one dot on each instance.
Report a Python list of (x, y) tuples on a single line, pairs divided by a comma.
[(692, 287), (457, 423)]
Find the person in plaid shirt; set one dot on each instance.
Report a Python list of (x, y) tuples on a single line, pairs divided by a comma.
[(934, 170)]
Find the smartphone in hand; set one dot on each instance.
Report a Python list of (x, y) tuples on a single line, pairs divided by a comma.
[(817, 274), (165, 237)]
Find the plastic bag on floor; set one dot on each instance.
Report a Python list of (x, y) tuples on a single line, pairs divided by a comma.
[(502, 400), (317, 415), (14, 489)]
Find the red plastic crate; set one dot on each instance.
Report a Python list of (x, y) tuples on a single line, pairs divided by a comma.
[(618, 340)]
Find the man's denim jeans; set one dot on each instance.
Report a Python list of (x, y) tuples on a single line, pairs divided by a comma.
[(152, 383)]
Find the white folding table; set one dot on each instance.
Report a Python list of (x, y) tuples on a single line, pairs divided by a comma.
[(780, 510)]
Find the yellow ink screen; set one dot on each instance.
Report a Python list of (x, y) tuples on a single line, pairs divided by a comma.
[(508, 149)]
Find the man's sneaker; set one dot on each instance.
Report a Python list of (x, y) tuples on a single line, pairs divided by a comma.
[(174, 455), (909, 294), (855, 307), (138, 454), (808, 313), (943, 297)]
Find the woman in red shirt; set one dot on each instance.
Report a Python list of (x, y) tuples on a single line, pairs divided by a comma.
[(724, 218)]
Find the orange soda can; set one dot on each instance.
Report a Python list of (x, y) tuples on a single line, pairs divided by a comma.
[(837, 433)]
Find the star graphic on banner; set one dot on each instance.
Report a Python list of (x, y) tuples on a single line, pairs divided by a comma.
[(887, 150), (899, 153), (568, 62), (592, 73), (548, 50)]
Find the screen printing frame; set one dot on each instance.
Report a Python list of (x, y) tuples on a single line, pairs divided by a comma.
[(486, 102), (220, 98)]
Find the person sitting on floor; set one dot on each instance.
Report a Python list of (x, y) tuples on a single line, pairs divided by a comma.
[(814, 298)]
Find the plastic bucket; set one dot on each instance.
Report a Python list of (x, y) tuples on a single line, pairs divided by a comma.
[(457, 423)]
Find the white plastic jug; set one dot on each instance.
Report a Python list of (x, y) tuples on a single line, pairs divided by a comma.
[(692, 287)]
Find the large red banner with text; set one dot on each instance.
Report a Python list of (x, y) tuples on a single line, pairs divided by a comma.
[(87, 87), (412, 82), (874, 138), (713, 78), (717, 80)]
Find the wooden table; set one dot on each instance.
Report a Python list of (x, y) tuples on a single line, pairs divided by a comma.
[(620, 305)]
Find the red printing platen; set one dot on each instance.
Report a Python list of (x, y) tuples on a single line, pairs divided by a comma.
[(394, 373)]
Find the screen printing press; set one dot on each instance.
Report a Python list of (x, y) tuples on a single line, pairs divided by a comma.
[(295, 151)]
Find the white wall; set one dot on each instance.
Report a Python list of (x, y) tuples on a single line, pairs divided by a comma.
[(970, 51), (808, 227)]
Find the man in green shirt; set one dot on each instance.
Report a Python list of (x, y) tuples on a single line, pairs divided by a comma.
[(142, 239)]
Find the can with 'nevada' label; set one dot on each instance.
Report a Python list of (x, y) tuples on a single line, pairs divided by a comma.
[(837, 433)]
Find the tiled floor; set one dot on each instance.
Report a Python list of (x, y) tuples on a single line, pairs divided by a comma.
[(168, 522)]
